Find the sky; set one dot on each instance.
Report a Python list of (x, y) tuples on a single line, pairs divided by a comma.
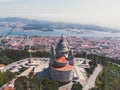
[(98, 12)]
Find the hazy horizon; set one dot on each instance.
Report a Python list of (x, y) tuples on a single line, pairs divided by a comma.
[(98, 12)]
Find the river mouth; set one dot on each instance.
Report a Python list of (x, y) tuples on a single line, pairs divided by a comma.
[(57, 32)]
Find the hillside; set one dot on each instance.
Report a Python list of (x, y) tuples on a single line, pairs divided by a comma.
[(109, 79)]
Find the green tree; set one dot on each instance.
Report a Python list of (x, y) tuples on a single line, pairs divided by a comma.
[(49, 84), (6, 77), (77, 86), (22, 83)]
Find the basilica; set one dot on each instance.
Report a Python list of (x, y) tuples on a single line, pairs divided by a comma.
[(61, 64)]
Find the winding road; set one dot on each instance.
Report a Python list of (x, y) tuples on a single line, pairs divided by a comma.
[(91, 80)]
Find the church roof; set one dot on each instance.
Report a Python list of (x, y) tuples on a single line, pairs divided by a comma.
[(8, 88), (2, 65), (65, 68), (61, 59)]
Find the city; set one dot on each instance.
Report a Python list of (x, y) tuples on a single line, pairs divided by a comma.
[(40, 64), (59, 45), (98, 46), (107, 47)]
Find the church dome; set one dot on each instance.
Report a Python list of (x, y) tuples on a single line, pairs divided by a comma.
[(62, 45)]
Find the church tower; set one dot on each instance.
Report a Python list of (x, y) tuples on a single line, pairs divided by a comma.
[(52, 55)]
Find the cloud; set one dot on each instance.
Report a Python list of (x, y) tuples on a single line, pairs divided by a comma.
[(6, 0), (103, 12)]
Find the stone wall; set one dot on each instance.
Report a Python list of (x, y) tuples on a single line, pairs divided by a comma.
[(61, 76)]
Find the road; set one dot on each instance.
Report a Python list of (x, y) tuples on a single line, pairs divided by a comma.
[(26, 72), (14, 64), (82, 78), (92, 78), (17, 64)]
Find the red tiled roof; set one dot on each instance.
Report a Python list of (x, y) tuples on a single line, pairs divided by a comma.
[(65, 68), (1, 65), (61, 59), (8, 88)]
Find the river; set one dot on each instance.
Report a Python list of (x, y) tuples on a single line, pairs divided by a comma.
[(56, 32)]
